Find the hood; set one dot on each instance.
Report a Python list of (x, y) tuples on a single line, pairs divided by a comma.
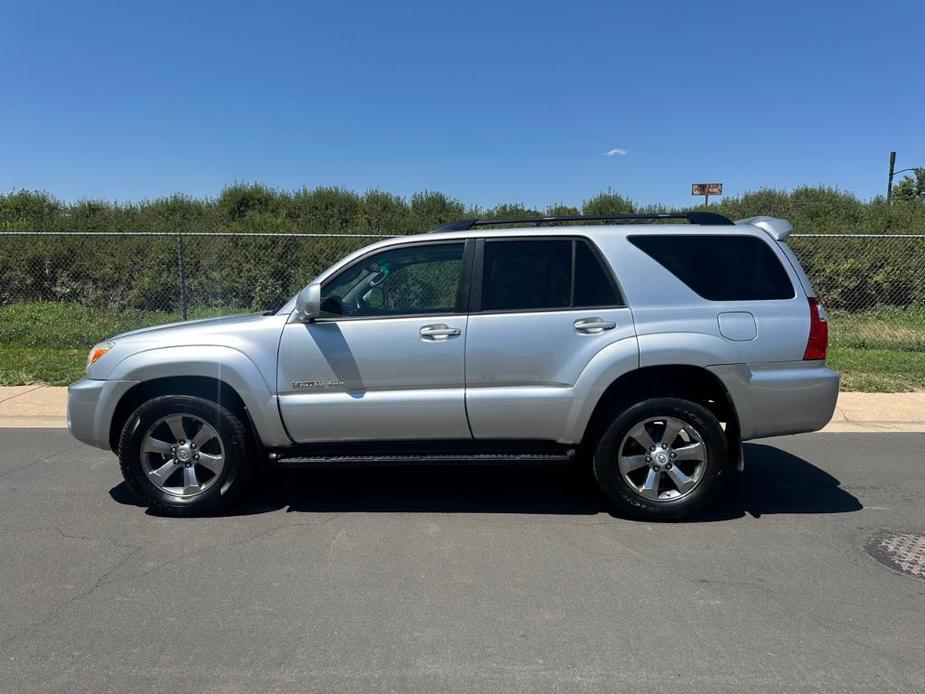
[(255, 335), (221, 321)]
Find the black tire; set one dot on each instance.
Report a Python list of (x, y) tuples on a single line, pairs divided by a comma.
[(628, 501), (226, 486)]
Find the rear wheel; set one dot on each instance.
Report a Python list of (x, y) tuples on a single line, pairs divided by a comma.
[(661, 459), (184, 455)]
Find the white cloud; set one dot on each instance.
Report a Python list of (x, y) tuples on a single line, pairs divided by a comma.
[(617, 152)]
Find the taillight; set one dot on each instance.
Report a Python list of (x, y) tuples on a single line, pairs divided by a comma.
[(818, 343)]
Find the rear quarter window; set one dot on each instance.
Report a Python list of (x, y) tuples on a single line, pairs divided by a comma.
[(720, 267)]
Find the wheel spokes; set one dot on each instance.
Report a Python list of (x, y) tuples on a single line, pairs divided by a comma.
[(694, 451), (205, 434), (190, 481), (160, 476), (681, 481), (174, 467), (176, 427), (653, 472), (212, 463), (649, 488), (672, 428), (640, 435), (152, 445), (628, 463)]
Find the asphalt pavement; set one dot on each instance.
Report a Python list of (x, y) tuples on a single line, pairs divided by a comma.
[(463, 579)]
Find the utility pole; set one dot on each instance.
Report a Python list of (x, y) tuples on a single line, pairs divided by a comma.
[(893, 172), (889, 182)]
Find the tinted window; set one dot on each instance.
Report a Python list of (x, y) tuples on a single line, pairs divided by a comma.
[(402, 281), (593, 286), (720, 268), (527, 275)]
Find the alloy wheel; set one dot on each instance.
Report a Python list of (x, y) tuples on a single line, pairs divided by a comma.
[(662, 458), (182, 455)]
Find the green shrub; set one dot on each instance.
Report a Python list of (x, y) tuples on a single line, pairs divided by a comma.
[(254, 272)]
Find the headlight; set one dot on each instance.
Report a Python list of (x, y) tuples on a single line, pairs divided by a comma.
[(97, 352)]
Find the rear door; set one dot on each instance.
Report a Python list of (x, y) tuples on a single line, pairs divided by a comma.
[(385, 360), (541, 308)]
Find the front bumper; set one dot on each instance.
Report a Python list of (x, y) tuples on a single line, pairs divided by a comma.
[(781, 398), (91, 404)]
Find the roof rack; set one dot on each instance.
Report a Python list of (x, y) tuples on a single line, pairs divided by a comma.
[(705, 218)]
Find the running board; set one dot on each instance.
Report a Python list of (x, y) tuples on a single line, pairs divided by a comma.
[(407, 455)]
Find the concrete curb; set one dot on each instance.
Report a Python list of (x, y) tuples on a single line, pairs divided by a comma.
[(40, 406), (33, 406)]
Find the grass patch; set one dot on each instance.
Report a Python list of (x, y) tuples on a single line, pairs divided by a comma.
[(46, 342), (57, 367), (878, 370), (65, 324), (879, 351), (885, 329)]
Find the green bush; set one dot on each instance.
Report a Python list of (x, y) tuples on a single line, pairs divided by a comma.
[(254, 272)]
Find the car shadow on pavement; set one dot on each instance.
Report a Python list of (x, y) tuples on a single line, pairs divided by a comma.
[(774, 482), (777, 482)]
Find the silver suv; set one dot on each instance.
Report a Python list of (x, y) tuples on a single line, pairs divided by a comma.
[(648, 348)]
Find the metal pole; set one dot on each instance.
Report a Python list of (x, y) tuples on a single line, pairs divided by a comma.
[(889, 182), (182, 271)]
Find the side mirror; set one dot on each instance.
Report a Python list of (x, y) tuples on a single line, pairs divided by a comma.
[(308, 303)]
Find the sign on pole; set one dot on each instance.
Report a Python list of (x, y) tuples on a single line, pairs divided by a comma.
[(706, 190)]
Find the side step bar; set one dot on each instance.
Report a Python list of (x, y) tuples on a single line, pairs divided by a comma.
[(331, 456)]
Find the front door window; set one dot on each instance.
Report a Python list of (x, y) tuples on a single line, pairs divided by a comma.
[(407, 281)]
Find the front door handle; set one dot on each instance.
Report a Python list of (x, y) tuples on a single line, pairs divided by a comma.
[(593, 326), (438, 332)]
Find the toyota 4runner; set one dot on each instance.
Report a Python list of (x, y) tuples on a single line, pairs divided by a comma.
[(647, 348)]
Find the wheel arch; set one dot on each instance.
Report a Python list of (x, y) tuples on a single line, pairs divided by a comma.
[(200, 368), (695, 383), (205, 387)]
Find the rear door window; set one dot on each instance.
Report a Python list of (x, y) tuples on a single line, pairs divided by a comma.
[(523, 275), (594, 285), (720, 267), (544, 274)]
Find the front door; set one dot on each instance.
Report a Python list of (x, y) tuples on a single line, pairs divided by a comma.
[(385, 359)]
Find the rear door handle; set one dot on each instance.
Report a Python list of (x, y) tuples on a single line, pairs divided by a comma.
[(438, 332), (593, 326)]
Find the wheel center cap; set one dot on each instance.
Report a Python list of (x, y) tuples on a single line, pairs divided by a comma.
[(662, 458), (184, 454)]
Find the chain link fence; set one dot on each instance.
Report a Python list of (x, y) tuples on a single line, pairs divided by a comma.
[(179, 275), (88, 285), (872, 286)]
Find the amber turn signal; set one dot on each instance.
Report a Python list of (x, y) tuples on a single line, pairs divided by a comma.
[(97, 352)]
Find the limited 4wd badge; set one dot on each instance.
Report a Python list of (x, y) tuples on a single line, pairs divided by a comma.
[(308, 385)]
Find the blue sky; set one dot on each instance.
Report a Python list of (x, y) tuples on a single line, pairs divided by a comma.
[(487, 101)]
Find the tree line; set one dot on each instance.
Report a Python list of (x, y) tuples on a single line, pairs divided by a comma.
[(258, 208), (254, 272)]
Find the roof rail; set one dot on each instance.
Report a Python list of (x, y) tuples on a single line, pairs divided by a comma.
[(706, 218)]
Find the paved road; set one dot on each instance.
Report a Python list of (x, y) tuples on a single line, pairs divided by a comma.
[(462, 580)]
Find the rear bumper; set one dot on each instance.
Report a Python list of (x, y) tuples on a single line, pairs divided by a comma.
[(781, 398), (90, 407)]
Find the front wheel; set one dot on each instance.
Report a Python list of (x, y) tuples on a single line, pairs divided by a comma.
[(661, 459), (183, 455)]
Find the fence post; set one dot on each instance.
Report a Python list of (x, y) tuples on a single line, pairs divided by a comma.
[(182, 271)]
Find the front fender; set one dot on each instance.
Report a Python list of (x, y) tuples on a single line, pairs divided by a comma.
[(225, 364)]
